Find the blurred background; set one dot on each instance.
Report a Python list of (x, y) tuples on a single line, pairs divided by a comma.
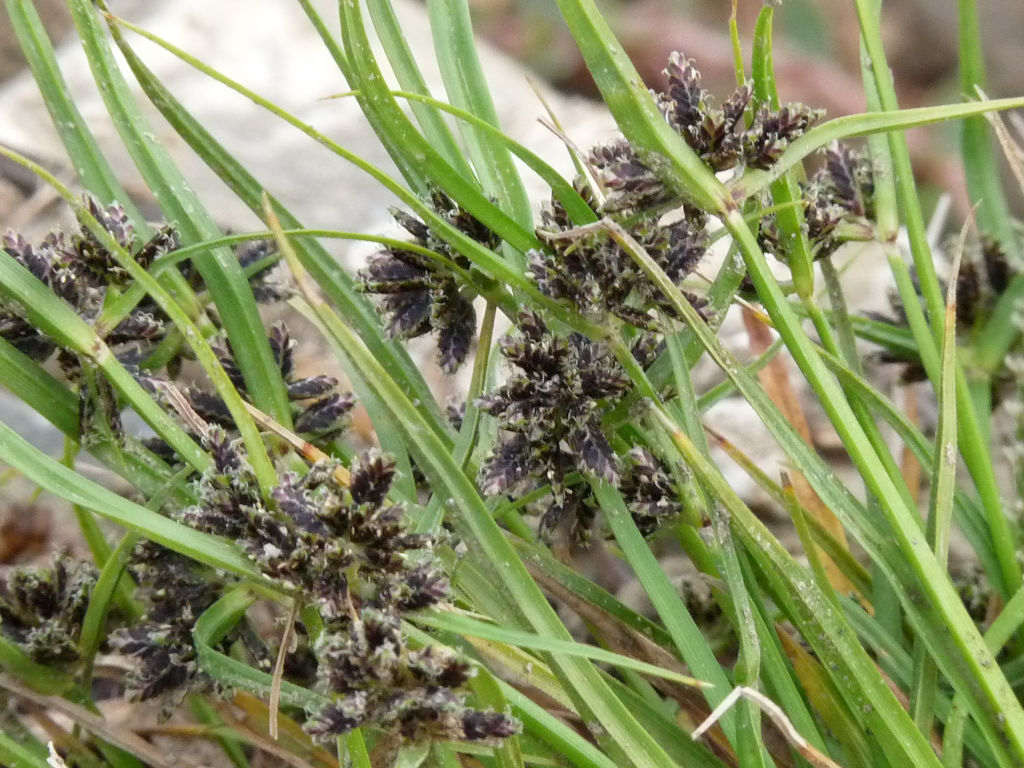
[(816, 55), (817, 62), (816, 52)]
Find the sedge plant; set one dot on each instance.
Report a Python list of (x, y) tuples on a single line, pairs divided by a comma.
[(415, 584)]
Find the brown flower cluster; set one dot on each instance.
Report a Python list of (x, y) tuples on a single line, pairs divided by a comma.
[(346, 549), (551, 410), (421, 295)]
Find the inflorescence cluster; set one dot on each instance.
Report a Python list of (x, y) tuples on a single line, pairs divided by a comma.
[(334, 540), (345, 549), (597, 276), (79, 269), (838, 205), (552, 409), (319, 411), (42, 609), (174, 591), (420, 293)]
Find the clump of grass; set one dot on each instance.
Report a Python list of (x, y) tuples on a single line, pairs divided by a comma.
[(418, 582)]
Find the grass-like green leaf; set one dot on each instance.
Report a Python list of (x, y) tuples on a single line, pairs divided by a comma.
[(221, 271), (467, 88), (399, 132), (90, 165), (943, 479), (38, 388), (866, 124), (16, 452), (466, 625), (980, 167), (952, 637), (818, 620), (685, 633), (407, 72), (18, 756), (331, 278)]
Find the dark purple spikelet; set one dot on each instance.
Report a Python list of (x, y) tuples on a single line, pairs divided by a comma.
[(998, 269), (338, 718), (163, 241), (310, 387), (594, 272), (140, 325), (375, 678), (421, 586), (841, 194), (434, 665), (715, 133), (265, 288), (510, 463), (319, 411), (685, 99), (163, 655), (453, 316), (174, 591), (41, 610), (772, 131), (372, 475), (648, 490), (79, 270), (294, 502), (326, 415), (630, 183), (226, 357), (210, 407), (282, 347), (420, 295), (489, 726), (551, 409)]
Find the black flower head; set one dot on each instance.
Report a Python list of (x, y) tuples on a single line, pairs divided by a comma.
[(229, 495), (630, 183), (715, 133), (421, 294), (771, 131), (171, 584), (376, 529), (375, 678), (42, 610), (551, 408), (840, 200), (319, 412), (338, 718), (365, 656), (164, 659), (345, 548), (985, 272), (719, 134), (648, 490), (838, 205), (95, 257), (257, 256), (174, 591), (593, 271), (80, 270), (489, 726)]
